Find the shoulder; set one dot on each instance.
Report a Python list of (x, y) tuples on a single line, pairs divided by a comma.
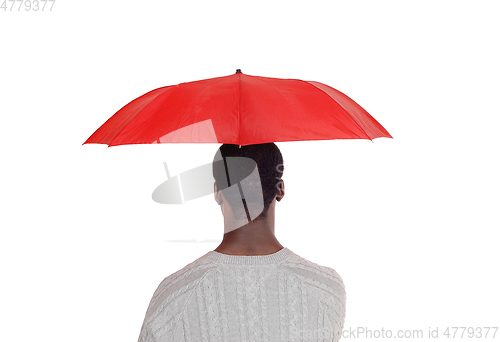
[(325, 283), (173, 292), (314, 273), (167, 306)]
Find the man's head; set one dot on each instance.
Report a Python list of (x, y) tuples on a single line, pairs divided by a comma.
[(269, 163)]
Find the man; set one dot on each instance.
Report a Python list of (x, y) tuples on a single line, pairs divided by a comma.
[(250, 288)]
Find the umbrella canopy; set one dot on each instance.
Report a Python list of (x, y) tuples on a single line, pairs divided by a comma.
[(239, 109)]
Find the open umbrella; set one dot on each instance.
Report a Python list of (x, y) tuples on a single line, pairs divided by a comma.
[(239, 109)]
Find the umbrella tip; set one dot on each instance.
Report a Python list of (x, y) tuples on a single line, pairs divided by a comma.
[(238, 71)]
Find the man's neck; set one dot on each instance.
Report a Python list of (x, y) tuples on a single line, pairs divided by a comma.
[(255, 238)]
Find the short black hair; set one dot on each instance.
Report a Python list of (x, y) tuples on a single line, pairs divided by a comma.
[(270, 168)]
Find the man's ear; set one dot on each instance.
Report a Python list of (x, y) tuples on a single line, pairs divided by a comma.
[(281, 190), (217, 194)]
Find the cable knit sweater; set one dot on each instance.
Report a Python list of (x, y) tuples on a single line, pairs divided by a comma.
[(233, 298)]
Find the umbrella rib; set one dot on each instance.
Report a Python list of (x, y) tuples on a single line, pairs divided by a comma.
[(239, 113), (357, 124)]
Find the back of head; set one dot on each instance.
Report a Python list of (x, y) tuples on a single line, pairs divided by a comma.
[(269, 162)]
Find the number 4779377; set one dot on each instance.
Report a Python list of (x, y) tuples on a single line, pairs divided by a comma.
[(29, 5)]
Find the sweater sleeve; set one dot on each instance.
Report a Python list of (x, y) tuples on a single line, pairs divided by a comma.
[(164, 319), (328, 287), (145, 335), (176, 334), (332, 296)]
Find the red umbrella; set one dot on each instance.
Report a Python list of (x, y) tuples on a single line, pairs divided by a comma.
[(239, 109)]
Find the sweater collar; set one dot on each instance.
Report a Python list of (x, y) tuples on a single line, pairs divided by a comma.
[(268, 259)]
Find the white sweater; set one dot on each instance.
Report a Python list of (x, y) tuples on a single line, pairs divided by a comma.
[(233, 298)]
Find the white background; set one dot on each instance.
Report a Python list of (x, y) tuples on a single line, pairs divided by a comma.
[(410, 223)]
